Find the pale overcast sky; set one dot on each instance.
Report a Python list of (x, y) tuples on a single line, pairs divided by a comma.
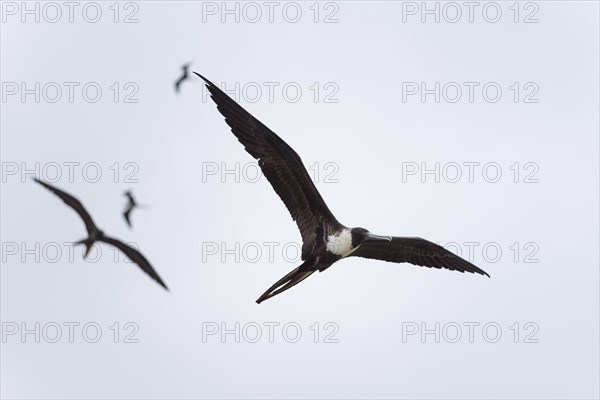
[(478, 131)]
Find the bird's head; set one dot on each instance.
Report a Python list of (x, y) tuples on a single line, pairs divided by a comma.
[(360, 235)]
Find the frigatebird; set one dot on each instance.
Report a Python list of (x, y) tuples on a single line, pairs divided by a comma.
[(184, 76), (324, 239), (131, 204), (96, 235)]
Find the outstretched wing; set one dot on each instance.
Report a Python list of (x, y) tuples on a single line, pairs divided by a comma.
[(280, 164), (129, 196), (126, 214), (416, 251), (136, 257), (73, 203), (178, 83)]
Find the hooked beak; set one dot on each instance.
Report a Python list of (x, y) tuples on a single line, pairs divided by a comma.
[(371, 236)]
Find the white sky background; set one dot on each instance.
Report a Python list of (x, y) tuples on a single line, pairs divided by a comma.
[(371, 135)]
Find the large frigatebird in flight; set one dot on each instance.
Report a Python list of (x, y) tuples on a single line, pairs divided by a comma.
[(96, 235), (325, 240)]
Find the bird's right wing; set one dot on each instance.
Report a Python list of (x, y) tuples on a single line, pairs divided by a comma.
[(73, 203), (280, 164), (136, 257), (416, 251), (126, 214)]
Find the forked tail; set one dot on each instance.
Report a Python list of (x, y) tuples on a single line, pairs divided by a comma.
[(88, 246), (292, 279)]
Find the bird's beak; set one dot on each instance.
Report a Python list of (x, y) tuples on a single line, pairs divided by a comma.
[(370, 236)]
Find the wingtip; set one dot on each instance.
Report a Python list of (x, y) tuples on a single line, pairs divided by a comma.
[(41, 182), (482, 272), (161, 283), (203, 78)]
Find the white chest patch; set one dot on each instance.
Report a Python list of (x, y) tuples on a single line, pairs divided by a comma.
[(340, 244)]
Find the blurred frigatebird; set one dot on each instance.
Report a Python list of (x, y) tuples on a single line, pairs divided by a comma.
[(184, 76), (96, 235), (131, 204), (325, 240)]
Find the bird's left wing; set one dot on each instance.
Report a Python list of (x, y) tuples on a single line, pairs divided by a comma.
[(73, 203), (136, 257), (415, 251)]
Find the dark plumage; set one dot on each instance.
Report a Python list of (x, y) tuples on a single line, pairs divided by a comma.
[(131, 204), (325, 240), (417, 251), (184, 76), (95, 234)]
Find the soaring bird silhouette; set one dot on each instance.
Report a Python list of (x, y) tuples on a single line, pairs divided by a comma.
[(325, 240), (96, 235), (184, 76), (131, 204)]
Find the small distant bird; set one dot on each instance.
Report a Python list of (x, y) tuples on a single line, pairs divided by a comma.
[(130, 206), (95, 234), (184, 76), (325, 240)]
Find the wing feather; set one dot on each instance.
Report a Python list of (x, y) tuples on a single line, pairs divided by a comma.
[(415, 251), (280, 164), (73, 203), (136, 257)]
